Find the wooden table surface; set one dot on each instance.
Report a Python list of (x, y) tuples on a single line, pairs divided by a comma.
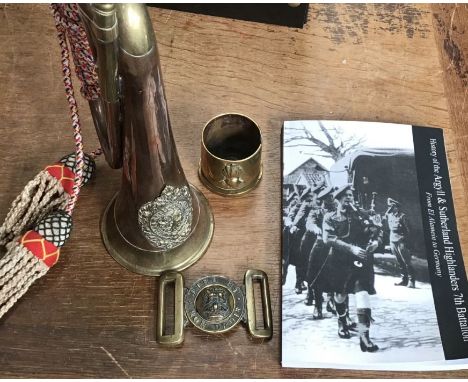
[(89, 317)]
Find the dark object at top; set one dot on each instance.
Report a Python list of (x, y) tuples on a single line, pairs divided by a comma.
[(278, 14)]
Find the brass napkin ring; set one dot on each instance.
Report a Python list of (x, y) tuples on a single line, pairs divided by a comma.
[(213, 304), (231, 155)]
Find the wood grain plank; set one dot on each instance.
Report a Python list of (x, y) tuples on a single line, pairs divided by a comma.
[(375, 62)]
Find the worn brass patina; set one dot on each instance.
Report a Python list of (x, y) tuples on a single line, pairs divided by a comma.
[(231, 150), (157, 221), (213, 304)]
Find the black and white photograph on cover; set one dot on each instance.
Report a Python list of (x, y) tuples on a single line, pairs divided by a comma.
[(356, 286)]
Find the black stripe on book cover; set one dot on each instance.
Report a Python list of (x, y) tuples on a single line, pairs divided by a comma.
[(445, 260)]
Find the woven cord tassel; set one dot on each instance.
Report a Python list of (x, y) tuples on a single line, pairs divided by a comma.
[(49, 190), (40, 206), (31, 256), (47, 202)]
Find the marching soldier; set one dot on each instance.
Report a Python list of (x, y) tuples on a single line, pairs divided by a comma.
[(317, 254), (288, 215), (318, 263), (296, 229), (352, 239), (399, 232), (312, 232)]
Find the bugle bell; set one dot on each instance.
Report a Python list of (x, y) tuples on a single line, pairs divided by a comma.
[(157, 221)]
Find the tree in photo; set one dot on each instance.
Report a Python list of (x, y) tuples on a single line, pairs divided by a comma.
[(330, 142)]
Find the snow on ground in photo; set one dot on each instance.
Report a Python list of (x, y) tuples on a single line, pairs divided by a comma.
[(405, 327)]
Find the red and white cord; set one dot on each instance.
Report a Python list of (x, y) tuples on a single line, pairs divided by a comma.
[(68, 25)]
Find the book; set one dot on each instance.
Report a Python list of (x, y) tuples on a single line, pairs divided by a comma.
[(373, 273)]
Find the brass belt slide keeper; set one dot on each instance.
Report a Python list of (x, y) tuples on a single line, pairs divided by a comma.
[(267, 331), (178, 336)]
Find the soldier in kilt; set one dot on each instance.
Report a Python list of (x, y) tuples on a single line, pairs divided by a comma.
[(350, 239)]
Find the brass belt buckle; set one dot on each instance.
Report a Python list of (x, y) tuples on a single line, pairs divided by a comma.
[(213, 304)]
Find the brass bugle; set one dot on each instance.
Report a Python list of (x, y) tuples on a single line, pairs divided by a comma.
[(100, 22), (157, 221)]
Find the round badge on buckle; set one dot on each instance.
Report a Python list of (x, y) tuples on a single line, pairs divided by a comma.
[(214, 304)]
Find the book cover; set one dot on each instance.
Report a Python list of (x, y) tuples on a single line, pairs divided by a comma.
[(373, 273)]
